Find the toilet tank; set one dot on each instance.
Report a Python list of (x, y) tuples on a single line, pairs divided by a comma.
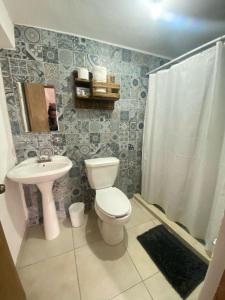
[(102, 172)]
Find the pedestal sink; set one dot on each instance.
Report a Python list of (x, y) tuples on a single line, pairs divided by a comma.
[(43, 175)]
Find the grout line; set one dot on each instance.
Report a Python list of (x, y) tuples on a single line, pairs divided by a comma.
[(143, 209), (75, 259), (140, 224), (125, 290), (148, 290), (141, 281), (127, 250), (153, 275), (84, 245), (22, 246), (19, 267), (134, 264), (138, 270), (44, 259), (78, 281)]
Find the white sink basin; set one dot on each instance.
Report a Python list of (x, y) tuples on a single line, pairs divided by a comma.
[(31, 172), (43, 174)]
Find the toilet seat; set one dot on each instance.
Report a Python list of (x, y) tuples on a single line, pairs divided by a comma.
[(112, 202)]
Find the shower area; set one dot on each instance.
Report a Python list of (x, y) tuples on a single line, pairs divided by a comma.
[(183, 159)]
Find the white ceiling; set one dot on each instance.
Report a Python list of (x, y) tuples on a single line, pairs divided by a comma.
[(183, 24)]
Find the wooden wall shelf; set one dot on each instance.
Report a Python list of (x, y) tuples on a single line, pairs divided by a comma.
[(96, 99), (82, 80)]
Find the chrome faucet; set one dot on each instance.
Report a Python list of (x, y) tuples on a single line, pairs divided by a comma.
[(45, 155)]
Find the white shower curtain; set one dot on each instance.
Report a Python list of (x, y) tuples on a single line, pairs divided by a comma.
[(183, 162)]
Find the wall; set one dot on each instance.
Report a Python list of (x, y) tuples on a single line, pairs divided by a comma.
[(13, 213), (13, 217), (50, 57), (7, 39)]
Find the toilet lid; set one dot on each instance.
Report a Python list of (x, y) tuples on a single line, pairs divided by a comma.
[(112, 201)]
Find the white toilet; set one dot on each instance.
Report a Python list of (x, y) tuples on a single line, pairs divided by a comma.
[(111, 205)]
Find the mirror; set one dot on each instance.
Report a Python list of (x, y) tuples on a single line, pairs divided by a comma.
[(38, 107)]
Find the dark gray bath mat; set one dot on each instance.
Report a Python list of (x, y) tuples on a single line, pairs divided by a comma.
[(183, 269)]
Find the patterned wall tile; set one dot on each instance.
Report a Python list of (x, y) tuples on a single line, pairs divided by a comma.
[(36, 71), (32, 35), (65, 57), (50, 54), (79, 44), (35, 51), (49, 38), (51, 72), (79, 59), (65, 41), (18, 66), (126, 55), (50, 57), (20, 52)]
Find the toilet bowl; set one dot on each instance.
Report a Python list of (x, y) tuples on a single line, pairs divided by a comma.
[(114, 210), (111, 205)]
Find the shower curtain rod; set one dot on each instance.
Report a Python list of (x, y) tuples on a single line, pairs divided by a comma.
[(187, 54)]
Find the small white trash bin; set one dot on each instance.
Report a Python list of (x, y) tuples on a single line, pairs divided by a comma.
[(76, 211)]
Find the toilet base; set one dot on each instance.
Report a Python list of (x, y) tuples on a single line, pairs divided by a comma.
[(111, 234)]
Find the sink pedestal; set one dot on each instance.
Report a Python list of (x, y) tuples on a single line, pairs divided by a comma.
[(51, 224), (43, 174)]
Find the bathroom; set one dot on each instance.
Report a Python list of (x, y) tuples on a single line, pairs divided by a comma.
[(112, 150)]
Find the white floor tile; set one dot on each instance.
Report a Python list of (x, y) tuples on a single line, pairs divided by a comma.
[(140, 257), (139, 215), (104, 271), (160, 289), (54, 278), (37, 248), (88, 232), (48, 270)]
